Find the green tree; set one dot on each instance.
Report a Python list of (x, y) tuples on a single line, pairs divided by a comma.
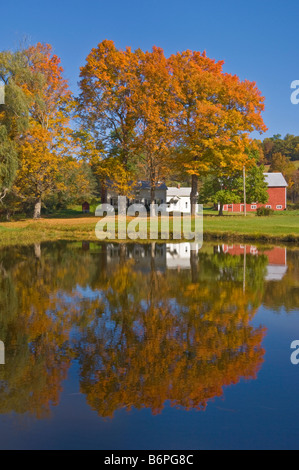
[(256, 186), (15, 74), (222, 187)]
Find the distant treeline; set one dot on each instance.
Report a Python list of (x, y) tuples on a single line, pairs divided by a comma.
[(287, 146)]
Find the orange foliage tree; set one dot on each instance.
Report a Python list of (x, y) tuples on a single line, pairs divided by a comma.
[(156, 111), (216, 114), (107, 111), (183, 112)]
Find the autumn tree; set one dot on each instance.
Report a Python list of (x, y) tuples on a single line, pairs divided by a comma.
[(283, 164), (47, 144), (156, 111), (294, 190), (217, 112), (107, 112), (260, 155)]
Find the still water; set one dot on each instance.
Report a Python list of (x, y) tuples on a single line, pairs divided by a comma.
[(149, 347)]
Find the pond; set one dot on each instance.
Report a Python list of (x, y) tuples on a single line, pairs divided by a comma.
[(120, 347)]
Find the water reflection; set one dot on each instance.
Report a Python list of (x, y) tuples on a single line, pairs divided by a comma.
[(148, 324)]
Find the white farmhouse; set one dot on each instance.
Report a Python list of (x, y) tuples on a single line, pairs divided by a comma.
[(141, 194), (178, 199)]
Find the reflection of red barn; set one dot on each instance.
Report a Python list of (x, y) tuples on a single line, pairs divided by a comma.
[(85, 208), (277, 256), (236, 250), (277, 190)]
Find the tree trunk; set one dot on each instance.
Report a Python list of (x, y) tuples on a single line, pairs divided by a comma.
[(244, 270), (37, 208), (152, 209), (245, 195), (122, 253), (221, 210), (153, 252), (194, 266), (153, 277), (122, 206), (37, 250), (194, 191)]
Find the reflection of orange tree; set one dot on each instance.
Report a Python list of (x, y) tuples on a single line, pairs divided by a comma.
[(180, 341), (38, 310), (142, 338)]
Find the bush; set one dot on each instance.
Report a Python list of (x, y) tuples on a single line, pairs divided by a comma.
[(264, 212)]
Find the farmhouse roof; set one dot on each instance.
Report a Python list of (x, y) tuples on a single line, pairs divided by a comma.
[(179, 192), (275, 180), (146, 185), (138, 186)]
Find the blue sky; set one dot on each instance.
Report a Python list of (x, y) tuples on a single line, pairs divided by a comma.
[(256, 39)]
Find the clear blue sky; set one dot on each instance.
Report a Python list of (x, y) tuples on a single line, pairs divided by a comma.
[(258, 40)]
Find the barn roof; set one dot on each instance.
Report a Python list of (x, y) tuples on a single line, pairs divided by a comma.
[(275, 273), (275, 180)]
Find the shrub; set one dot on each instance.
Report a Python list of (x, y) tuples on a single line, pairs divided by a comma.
[(264, 211)]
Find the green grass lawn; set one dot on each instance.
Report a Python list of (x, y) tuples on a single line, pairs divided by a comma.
[(72, 225), (72, 212), (283, 225)]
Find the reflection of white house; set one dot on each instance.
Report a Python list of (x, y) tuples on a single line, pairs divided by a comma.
[(177, 199), (178, 255), (167, 256)]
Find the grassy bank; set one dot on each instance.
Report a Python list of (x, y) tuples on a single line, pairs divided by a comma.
[(281, 227)]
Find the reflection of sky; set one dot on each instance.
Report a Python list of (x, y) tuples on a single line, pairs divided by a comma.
[(79, 294), (88, 292)]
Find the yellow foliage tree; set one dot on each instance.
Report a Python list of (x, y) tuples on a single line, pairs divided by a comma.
[(47, 146)]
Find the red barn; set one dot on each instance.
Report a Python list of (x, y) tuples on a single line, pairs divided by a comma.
[(277, 190)]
